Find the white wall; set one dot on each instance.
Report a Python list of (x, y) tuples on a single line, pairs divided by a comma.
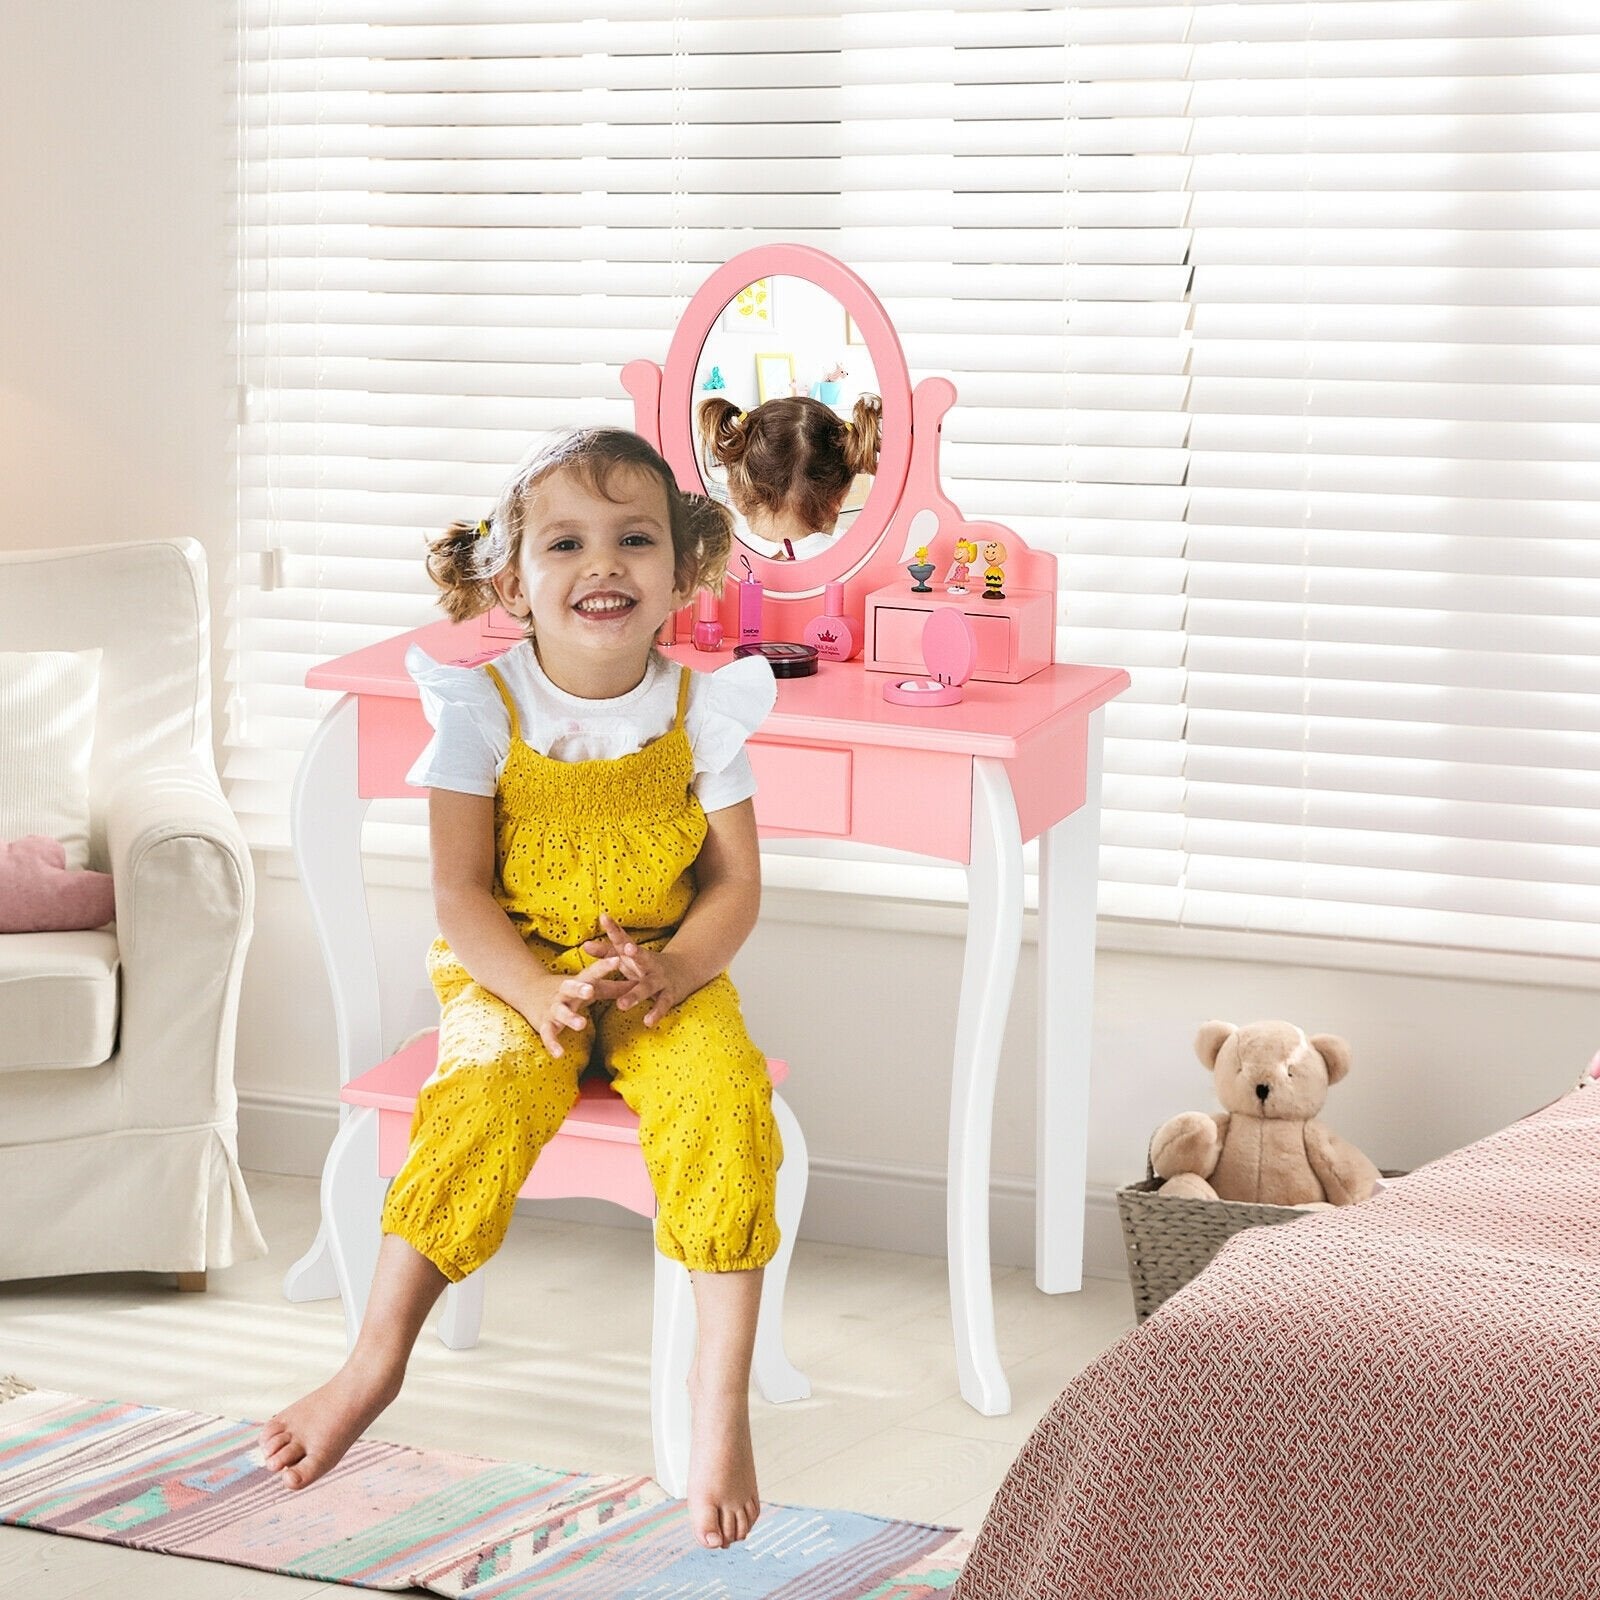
[(114, 424), (115, 376)]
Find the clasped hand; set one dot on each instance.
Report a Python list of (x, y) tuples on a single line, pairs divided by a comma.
[(647, 977), (621, 971)]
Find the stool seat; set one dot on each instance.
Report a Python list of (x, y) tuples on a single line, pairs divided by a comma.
[(595, 1153), (598, 1113)]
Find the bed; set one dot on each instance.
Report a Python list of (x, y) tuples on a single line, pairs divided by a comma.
[(1397, 1401)]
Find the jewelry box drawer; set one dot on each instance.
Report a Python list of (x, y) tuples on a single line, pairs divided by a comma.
[(802, 788), (1015, 634), (897, 645)]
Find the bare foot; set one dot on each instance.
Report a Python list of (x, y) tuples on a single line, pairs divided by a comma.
[(304, 1440), (723, 1500)]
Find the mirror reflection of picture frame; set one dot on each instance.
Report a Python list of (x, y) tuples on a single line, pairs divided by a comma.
[(750, 311), (852, 334), (774, 375)]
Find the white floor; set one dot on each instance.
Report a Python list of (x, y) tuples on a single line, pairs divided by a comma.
[(560, 1377)]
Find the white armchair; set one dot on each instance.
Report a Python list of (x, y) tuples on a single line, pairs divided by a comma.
[(118, 1142)]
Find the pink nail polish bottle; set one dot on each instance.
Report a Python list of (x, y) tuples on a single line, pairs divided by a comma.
[(707, 622), (832, 635)]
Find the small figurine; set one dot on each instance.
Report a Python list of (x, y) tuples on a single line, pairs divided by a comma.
[(994, 560), (827, 388), (921, 569), (715, 381), (966, 553)]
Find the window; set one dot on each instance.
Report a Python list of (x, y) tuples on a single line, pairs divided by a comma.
[(1276, 320)]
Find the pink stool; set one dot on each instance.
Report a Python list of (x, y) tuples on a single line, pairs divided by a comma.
[(594, 1155)]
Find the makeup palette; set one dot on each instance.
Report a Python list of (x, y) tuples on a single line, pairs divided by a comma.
[(949, 651), (786, 660)]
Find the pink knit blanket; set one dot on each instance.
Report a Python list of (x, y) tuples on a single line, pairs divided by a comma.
[(1398, 1401)]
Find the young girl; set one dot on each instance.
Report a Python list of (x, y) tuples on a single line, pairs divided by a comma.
[(595, 869), (790, 465)]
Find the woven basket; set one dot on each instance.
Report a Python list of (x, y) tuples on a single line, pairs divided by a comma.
[(1169, 1240)]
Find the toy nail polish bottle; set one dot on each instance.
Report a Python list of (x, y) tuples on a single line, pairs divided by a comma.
[(832, 635), (707, 622)]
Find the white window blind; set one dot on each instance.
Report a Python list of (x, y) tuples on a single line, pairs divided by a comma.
[(1337, 513), (1277, 319)]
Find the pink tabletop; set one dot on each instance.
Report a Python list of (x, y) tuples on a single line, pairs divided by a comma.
[(843, 700)]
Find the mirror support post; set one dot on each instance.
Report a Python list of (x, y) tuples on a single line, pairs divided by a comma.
[(642, 379)]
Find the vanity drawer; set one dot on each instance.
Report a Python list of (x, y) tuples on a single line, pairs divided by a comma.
[(802, 788)]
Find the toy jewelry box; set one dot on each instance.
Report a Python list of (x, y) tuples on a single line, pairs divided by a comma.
[(1016, 635)]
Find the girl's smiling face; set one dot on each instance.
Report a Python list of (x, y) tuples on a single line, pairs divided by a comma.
[(595, 575)]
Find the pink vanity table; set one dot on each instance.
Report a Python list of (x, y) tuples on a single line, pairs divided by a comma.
[(967, 783)]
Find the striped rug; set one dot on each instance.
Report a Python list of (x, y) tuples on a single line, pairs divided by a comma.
[(388, 1517)]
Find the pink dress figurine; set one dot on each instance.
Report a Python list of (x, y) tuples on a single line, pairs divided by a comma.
[(966, 552)]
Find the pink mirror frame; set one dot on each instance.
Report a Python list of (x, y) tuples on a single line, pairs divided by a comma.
[(894, 385), (871, 552)]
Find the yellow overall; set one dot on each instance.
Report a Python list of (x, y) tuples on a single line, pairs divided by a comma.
[(573, 839)]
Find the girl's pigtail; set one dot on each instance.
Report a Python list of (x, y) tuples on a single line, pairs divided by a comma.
[(461, 561), (863, 435), (719, 424), (709, 540)]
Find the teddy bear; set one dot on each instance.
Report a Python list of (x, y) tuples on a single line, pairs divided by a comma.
[(1264, 1147)]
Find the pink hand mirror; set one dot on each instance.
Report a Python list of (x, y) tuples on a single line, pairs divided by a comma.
[(950, 651)]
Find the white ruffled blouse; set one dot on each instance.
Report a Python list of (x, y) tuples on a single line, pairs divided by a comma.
[(472, 733)]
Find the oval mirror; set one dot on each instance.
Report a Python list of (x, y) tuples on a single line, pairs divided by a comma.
[(785, 360), (787, 417)]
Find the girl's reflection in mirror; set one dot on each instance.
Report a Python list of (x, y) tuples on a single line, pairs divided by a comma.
[(793, 467)]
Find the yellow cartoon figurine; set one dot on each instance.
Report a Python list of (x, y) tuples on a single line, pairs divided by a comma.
[(921, 570), (994, 560), (966, 552)]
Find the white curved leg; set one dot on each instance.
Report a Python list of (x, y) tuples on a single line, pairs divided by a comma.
[(312, 1276), (352, 1211), (325, 817), (994, 940), (1069, 877), (671, 1355), (776, 1376), (463, 1313)]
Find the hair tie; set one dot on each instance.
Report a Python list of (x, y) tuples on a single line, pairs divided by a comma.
[(481, 531)]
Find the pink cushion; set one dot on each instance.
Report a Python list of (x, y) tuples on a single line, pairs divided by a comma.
[(39, 895)]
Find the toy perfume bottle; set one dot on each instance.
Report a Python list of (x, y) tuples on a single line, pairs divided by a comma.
[(832, 635), (750, 597), (707, 622)]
